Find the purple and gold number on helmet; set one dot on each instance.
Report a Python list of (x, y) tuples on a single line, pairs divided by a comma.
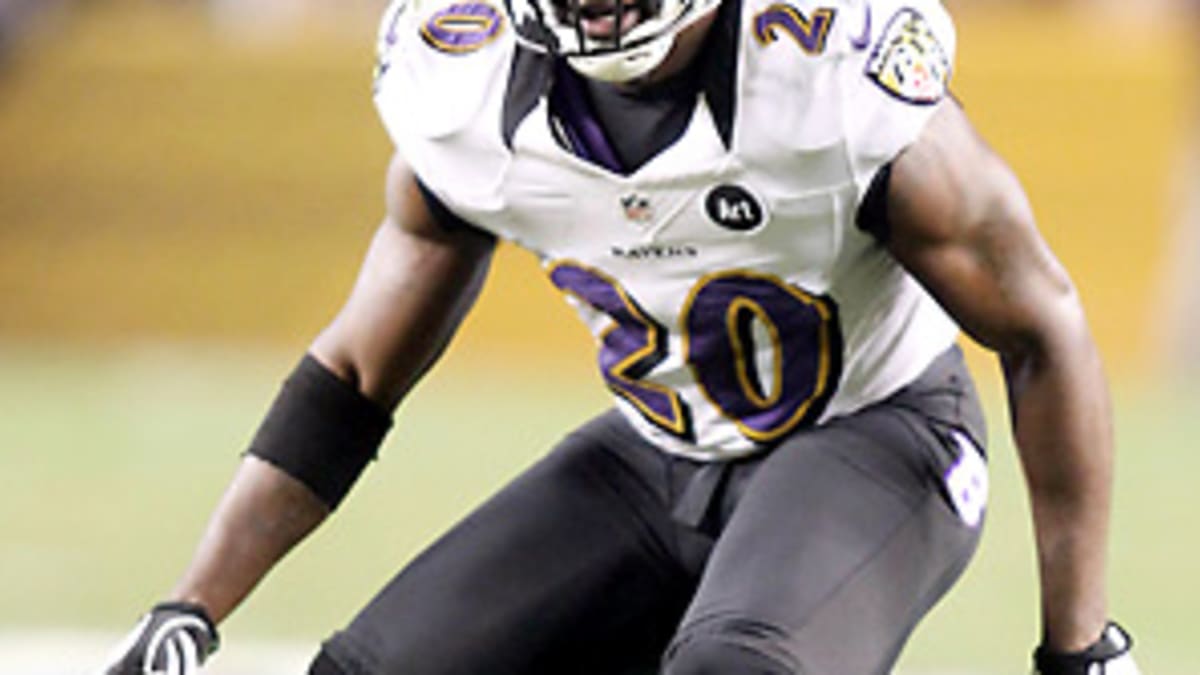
[(463, 27), (810, 34), (765, 392), (631, 348)]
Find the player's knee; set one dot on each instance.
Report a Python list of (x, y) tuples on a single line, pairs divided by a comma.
[(725, 652)]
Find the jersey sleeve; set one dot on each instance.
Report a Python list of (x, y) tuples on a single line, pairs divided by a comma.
[(439, 64), (897, 74)]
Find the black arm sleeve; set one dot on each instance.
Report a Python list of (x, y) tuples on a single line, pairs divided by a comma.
[(321, 431)]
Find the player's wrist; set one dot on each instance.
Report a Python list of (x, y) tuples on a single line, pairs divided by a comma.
[(173, 637), (1110, 651), (196, 610), (209, 602), (1073, 634)]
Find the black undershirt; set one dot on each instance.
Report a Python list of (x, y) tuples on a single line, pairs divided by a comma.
[(636, 125), (649, 120)]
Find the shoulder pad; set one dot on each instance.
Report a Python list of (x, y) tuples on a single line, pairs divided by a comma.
[(439, 61), (894, 78), (808, 27), (443, 71), (911, 52)]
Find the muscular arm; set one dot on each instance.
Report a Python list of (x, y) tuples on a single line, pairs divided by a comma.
[(417, 282), (960, 223)]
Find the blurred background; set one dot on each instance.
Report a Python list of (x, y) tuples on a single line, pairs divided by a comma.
[(186, 187)]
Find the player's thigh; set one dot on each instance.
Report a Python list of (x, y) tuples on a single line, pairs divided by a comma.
[(560, 572), (842, 540)]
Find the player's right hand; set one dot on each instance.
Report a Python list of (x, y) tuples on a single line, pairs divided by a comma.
[(173, 639)]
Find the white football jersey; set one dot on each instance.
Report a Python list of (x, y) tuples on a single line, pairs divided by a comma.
[(732, 296)]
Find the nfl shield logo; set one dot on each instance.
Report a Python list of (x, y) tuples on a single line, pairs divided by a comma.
[(637, 208)]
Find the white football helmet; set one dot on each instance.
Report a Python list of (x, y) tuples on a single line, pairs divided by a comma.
[(610, 40)]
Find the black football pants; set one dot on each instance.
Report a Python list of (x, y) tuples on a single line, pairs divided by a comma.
[(610, 557)]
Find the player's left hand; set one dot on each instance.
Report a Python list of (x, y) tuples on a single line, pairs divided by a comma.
[(1109, 655), (173, 639)]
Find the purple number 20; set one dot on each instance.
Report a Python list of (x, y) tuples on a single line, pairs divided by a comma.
[(717, 324), (631, 348)]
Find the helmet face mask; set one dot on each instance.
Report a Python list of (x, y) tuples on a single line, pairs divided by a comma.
[(612, 15), (610, 40)]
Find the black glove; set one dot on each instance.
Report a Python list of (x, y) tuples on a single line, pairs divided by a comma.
[(173, 639), (1109, 655)]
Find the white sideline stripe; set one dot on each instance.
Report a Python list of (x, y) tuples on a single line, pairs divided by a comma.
[(82, 652)]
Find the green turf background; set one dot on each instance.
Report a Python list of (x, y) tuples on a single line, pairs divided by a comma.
[(111, 460)]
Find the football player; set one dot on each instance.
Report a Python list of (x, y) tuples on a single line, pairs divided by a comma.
[(775, 220)]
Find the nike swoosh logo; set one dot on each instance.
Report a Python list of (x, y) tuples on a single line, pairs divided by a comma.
[(863, 41)]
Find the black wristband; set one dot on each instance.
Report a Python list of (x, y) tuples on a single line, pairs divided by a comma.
[(321, 431), (1113, 642), (211, 641)]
